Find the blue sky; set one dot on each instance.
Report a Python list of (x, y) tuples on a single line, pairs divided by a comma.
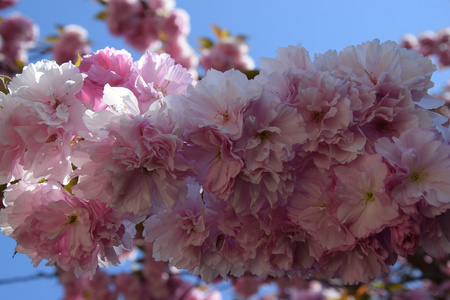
[(318, 25)]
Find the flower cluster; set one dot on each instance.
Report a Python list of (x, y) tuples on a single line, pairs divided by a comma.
[(74, 234), (334, 165), (18, 34), (228, 53), (70, 43), (152, 25), (150, 280), (7, 3), (431, 43)]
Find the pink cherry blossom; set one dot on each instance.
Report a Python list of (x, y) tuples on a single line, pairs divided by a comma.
[(158, 281), (369, 259), (432, 44), (443, 47), (121, 13), (288, 59), (157, 76), (12, 146), (434, 236), (373, 63), (50, 89), (161, 6), (361, 201), (142, 32), (83, 287), (323, 103), (428, 43), (229, 53), (29, 149), (393, 113), (18, 35), (283, 250), (247, 286), (177, 24), (270, 132), (48, 223), (405, 237), (421, 160), (130, 286), (45, 94), (72, 42), (183, 53), (309, 208), (106, 66), (329, 107), (220, 100), (409, 41), (281, 75), (215, 161), (178, 236), (335, 166), (7, 3), (137, 163)]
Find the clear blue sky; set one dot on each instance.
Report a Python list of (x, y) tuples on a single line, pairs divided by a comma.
[(317, 25)]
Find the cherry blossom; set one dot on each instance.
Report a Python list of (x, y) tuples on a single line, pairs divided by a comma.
[(329, 167), (49, 223), (18, 35), (136, 166), (7, 3), (420, 158), (45, 93), (156, 76), (106, 66), (71, 43), (361, 201)]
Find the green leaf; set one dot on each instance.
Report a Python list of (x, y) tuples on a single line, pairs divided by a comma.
[(220, 33), (205, 43), (68, 187), (251, 73), (52, 38), (225, 34), (216, 30), (101, 15), (396, 287), (4, 81)]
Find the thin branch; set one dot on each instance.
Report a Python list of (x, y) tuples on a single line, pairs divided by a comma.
[(27, 278)]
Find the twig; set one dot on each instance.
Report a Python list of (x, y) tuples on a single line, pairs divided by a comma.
[(26, 278)]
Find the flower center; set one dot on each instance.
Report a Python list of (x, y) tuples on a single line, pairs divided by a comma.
[(224, 115), (370, 197), (382, 126), (417, 176), (71, 219), (317, 116), (263, 135)]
